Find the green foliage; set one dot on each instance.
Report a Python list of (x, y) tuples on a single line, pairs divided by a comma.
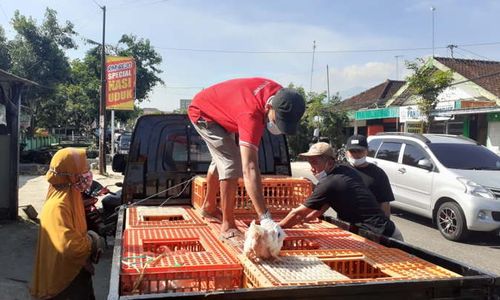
[(427, 82), (4, 51), (320, 113), (37, 53), (68, 95), (147, 60)]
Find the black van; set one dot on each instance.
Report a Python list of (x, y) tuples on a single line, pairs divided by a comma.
[(166, 151)]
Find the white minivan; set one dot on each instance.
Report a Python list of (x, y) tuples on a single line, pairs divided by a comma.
[(451, 179)]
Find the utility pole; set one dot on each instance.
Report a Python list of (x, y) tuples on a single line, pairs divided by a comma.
[(451, 49), (328, 82), (397, 65), (312, 67), (102, 102), (433, 9)]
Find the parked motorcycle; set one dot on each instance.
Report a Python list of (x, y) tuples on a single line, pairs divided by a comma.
[(97, 220)]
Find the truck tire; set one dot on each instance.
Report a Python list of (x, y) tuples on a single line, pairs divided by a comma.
[(450, 221)]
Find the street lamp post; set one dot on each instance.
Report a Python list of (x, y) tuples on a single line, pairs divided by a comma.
[(433, 9)]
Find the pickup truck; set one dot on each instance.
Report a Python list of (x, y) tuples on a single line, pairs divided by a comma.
[(166, 151)]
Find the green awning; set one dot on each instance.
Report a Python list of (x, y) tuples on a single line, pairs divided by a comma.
[(379, 113)]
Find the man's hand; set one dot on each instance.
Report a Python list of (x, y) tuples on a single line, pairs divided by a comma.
[(98, 245)]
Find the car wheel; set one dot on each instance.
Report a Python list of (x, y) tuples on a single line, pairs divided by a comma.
[(451, 222)]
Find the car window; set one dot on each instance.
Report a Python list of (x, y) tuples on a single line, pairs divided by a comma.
[(389, 151), (373, 147), (412, 154), (465, 156)]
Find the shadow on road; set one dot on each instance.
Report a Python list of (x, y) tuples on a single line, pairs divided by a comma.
[(490, 239)]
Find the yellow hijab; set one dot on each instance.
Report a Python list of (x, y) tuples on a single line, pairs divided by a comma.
[(63, 246)]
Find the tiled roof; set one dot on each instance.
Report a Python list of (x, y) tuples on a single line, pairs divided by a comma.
[(469, 69), (373, 97), (472, 69)]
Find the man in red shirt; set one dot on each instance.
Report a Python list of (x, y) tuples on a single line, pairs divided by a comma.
[(245, 107)]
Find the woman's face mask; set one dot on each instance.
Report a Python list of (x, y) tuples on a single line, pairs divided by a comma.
[(84, 181)]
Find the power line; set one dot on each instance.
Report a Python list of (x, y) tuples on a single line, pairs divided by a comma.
[(346, 51), (100, 6), (138, 3), (4, 13), (475, 78), (473, 53)]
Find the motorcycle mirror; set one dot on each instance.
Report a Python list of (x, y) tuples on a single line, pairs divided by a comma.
[(119, 184)]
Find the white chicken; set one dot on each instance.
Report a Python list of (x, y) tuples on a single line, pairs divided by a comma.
[(263, 242)]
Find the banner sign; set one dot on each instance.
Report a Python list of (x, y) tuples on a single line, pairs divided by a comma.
[(410, 114), (120, 83)]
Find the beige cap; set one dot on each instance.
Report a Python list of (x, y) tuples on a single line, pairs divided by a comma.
[(320, 149)]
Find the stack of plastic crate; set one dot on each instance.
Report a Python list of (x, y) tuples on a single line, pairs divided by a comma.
[(281, 194), (176, 259)]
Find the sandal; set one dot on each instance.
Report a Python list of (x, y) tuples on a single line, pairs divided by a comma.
[(212, 218), (230, 233)]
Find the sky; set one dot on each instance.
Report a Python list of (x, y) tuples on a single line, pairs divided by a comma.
[(203, 42)]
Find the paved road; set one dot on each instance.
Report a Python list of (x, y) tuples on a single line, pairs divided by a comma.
[(482, 251)]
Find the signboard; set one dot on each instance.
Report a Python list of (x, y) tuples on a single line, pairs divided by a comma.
[(120, 83), (379, 113), (410, 113), (414, 127)]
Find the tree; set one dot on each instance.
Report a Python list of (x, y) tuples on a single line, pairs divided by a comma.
[(331, 122), (427, 82), (4, 51), (37, 53)]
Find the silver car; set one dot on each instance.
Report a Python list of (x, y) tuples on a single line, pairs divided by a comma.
[(451, 179)]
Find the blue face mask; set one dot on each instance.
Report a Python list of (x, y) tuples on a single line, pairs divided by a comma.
[(321, 175), (273, 128)]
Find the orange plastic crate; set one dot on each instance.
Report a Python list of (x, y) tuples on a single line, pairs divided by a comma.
[(167, 216), (288, 271), (398, 263), (281, 193), (163, 260), (247, 218), (333, 239)]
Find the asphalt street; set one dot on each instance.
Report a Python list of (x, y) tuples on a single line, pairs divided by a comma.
[(481, 251)]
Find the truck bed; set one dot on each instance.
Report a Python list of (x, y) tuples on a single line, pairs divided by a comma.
[(474, 284)]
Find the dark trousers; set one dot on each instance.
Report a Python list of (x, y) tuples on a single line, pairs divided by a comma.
[(79, 289)]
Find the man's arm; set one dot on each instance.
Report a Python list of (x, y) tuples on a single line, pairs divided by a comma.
[(386, 208), (316, 213), (296, 216), (252, 179)]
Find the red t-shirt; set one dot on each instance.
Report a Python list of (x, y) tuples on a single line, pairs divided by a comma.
[(238, 105)]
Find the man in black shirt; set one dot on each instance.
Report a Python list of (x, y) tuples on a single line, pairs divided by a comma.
[(341, 188), (373, 176)]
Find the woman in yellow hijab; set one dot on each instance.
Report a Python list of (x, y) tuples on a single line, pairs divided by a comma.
[(62, 267)]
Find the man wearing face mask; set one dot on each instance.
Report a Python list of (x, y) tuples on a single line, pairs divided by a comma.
[(245, 107), (373, 176), (341, 188)]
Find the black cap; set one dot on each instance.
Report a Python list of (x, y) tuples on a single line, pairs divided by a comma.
[(357, 142), (289, 106)]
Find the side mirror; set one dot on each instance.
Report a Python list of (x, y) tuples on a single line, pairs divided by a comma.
[(425, 164), (119, 163)]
